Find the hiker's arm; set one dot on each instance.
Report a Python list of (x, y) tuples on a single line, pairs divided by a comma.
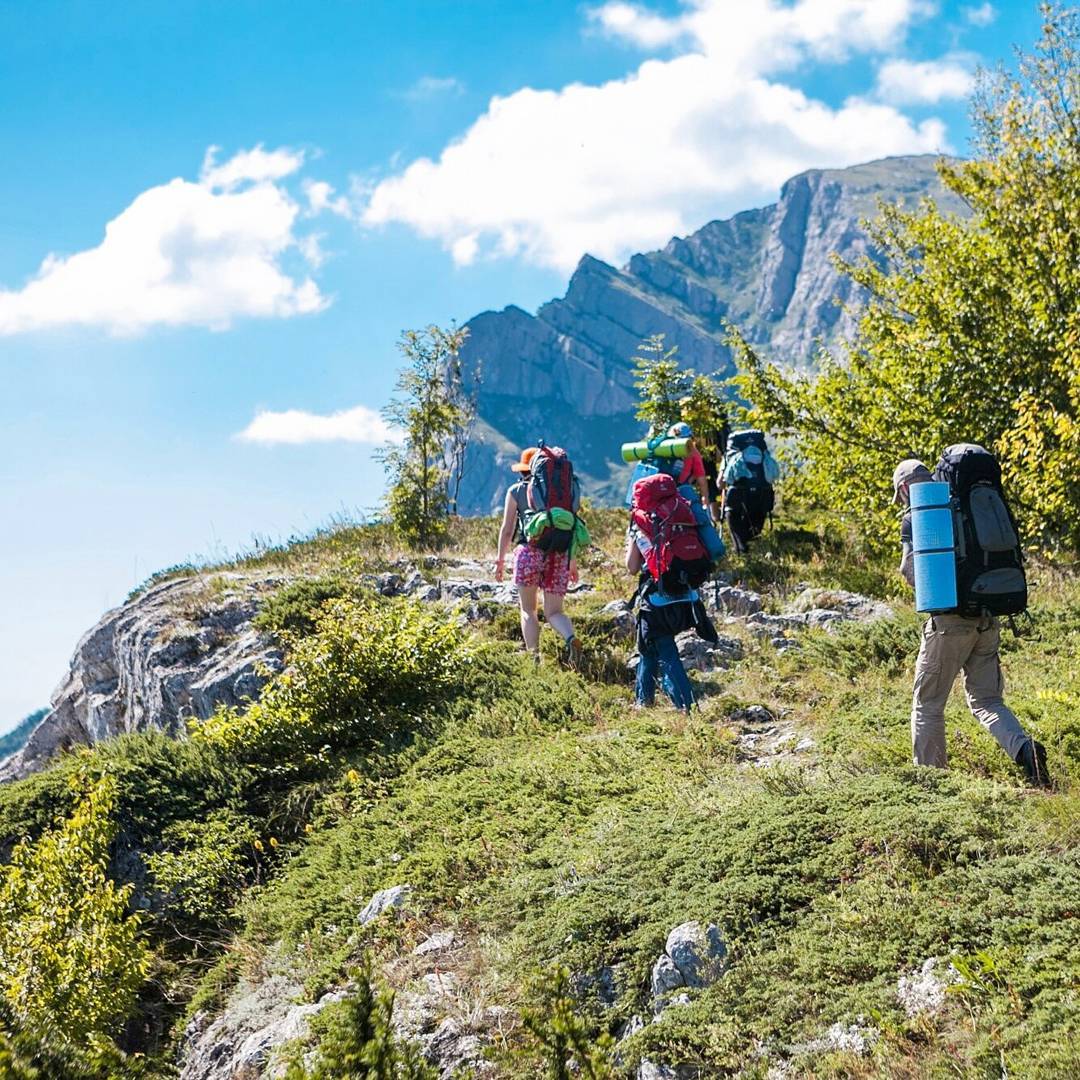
[(907, 552), (634, 560), (506, 533), (703, 488)]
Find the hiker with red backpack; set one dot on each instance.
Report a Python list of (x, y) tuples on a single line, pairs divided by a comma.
[(664, 546), (540, 518), (985, 568)]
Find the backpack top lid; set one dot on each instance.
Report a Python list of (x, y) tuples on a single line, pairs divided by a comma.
[(546, 455), (651, 491), (740, 440), (963, 465)]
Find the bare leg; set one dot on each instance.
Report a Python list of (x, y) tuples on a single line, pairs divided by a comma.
[(530, 623), (556, 617)]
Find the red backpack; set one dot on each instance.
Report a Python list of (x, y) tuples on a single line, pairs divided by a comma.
[(677, 559), (552, 485)]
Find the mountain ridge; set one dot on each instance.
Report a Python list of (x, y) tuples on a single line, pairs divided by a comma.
[(768, 270)]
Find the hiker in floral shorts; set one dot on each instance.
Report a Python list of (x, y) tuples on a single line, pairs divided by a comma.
[(548, 570), (535, 571)]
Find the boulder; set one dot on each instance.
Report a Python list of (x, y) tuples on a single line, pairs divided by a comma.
[(392, 899), (666, 977), (735, 601), (441, 941), (699, 953)]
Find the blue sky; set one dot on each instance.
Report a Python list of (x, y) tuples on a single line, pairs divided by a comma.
[(419, 162)]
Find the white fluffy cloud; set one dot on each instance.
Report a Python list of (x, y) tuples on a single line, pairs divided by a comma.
[(549, 174), (983, 15), (294, 426), (926, 82), (183, 253)]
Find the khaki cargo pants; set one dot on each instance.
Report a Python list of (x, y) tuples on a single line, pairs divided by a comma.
[(951, 644)]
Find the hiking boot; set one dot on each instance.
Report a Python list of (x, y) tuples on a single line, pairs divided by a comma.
[(1032, 759), (572, 656)]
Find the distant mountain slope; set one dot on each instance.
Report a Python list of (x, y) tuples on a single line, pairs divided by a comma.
[(13, 741), (565, 374)]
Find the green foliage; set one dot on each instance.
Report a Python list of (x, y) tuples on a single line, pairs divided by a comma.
[(49, 1055), (661, 383), (890, 644), (560, 1044), (971, 330), (371, 666), (203, 867), (356, 1040), (294, 607), (68, 947), (429, 410)]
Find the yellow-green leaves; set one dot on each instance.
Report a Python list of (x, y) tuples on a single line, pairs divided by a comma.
[(71, 956), (370, 666), (971, 329)]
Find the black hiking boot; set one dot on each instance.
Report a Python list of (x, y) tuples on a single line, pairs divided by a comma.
[(1032, 759)]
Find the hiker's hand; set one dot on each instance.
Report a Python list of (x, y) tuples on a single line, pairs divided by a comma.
[(573, 572), (500, 569)]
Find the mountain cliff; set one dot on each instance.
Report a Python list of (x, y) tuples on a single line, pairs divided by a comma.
[(566, 372)]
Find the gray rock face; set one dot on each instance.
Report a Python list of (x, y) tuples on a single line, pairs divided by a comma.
[(566, 373), (240, 1043), (698, 952), (175, 652), (392, 899)]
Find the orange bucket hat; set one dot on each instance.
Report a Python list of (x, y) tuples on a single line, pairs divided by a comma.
[(525, 464)]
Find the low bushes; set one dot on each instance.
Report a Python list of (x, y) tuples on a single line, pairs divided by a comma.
[(360, 680)]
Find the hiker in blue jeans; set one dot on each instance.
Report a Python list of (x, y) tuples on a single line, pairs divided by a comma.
[(659, 619)]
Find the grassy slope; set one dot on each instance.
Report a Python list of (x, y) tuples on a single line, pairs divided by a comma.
[(549, 823)]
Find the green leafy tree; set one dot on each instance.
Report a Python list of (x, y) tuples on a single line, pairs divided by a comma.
[(69, 948), (464, 397), (427, 411), (972, 326), (707, 411), (661, 382)]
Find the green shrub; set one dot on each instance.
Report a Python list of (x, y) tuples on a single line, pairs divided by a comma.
[(202, 868), (295, 607), (360, 680), (68, 947), (356, 1040), (889, 644), (558, 1043)]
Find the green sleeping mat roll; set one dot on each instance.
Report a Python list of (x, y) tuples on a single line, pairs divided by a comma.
[(661, 448)]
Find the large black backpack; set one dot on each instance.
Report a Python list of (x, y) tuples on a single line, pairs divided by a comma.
[(990, 577), (754, 495)]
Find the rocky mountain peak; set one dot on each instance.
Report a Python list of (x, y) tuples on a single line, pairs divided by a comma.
[(566, 373)]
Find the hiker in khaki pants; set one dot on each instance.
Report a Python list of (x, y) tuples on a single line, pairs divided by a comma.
[(951, 644)]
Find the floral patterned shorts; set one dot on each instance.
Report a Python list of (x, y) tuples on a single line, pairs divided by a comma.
[(548, 569)]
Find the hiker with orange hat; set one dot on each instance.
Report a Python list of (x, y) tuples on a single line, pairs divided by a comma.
[(538, 565)]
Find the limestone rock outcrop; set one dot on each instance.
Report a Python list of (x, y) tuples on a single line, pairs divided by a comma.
[(176, 651)]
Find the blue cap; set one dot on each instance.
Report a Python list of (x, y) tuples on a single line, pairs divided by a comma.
[(680, 430)]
